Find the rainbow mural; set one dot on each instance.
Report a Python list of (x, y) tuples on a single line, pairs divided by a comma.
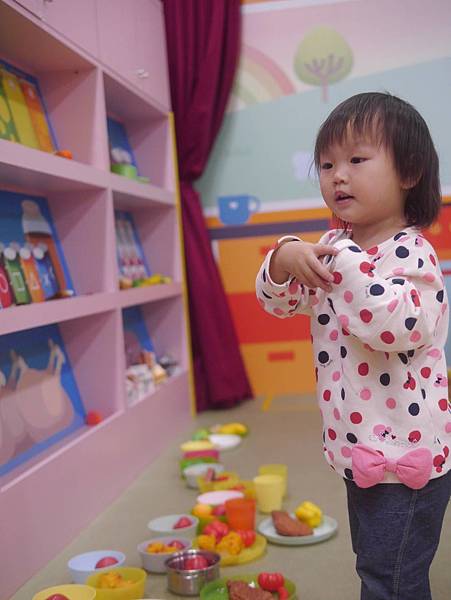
[(259, 79)]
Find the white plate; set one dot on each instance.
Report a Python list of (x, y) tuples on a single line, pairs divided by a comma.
[(218, 497), (225, 441), (323, 532)]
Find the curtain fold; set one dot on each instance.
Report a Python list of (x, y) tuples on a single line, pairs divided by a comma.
[(203, 44)]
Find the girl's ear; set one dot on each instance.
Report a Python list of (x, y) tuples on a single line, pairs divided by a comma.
[(414, 174)]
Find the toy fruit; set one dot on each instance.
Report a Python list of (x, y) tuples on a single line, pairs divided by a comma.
[(230, 543), (183, 522), (57, 597), (216, 528), (271, 582), (176, 544), (219, 510), (207, 542), (309, 513), (283, 593), (112, 580), (202, 510), (106, 561), (247, 535), (195, 562), (93, 418)]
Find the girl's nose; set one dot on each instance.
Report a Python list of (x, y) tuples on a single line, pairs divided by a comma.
[(340, 175)]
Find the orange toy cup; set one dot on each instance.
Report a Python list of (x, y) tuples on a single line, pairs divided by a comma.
[(240, 513)]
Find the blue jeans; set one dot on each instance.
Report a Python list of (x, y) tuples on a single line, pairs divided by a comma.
[(395, 532)]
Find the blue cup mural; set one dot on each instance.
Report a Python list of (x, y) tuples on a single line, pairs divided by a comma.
[(236, 210)]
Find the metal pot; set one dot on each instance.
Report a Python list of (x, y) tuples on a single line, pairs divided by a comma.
[(186, 582)]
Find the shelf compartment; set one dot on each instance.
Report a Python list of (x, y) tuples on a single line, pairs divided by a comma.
[(152, 293), (129, 194), (87, 475), (147, 129), (21, 166)]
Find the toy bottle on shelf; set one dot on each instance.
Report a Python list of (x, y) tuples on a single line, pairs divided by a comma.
[(37, 232), (45, 272), (15, 276), (6, 294), (30, 271)]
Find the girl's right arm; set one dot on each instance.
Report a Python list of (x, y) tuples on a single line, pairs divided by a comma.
[(287, 281)]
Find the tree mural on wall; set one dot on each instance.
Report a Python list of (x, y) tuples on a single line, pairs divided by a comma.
[(323, 57)]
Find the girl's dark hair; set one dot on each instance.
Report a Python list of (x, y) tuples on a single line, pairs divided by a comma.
[(403, 131)]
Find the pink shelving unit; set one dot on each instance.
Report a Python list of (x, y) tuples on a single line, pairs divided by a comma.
[(46, 501)]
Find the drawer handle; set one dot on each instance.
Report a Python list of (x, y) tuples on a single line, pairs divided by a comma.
[(142, 73)]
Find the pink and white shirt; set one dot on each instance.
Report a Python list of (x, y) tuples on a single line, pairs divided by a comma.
[(378, 340)]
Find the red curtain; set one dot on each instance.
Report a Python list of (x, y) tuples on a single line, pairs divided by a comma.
[(203, 43)]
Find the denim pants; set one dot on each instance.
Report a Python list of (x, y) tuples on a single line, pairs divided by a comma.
[(395, 532)]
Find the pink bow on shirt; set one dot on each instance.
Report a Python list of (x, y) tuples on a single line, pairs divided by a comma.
[(412, 469)]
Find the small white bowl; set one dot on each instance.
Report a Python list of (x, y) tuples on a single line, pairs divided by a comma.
[(192, 472), (153, 561), (163, 526), (84, 565), (225, 441)]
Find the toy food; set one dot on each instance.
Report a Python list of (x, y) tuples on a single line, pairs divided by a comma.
[(195, 562), (216, 528), (160, 548), (183, 522), (247, 535), (112, 580), (309, 513), (202, 510), (286, 525), (207, 542), (230, 428), (106, 561), (240, 590), (230, 543), (219, 510), (93, 418), (57, 597), (271, 582)]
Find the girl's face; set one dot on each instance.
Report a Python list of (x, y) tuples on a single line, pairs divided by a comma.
[(360, 185)]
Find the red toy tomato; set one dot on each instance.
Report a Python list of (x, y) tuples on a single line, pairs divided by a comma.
[(247, 535), (271, 582), (183, 522), (57, 597), (195, 562), (176, 544), (283, 593), (106, 561), (216, 528)]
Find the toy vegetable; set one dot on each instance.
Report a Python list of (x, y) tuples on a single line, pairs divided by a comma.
[(207, 542), (231, 543), (247, 535), (309, 513), (216, 528), (271, 582)]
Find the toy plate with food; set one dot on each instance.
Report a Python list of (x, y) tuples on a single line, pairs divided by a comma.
[(218, 497), (225, 441), (235, 548), (219, 590), (325, 530)]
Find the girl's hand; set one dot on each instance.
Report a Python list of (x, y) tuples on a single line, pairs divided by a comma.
[(303, 260)]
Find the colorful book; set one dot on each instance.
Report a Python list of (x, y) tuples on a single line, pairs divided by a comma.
[(19, 109), (131, 260), (38, 115)]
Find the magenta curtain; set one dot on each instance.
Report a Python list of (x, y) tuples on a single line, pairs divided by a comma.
[(203, 42)]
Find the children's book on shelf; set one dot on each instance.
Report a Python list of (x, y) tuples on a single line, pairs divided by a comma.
[(32, 263), (131, 260), (39, 399), (139, 355), (23, 116)]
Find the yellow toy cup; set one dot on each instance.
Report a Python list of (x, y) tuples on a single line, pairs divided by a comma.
[(269, 492), (276, 469), (73, 591)]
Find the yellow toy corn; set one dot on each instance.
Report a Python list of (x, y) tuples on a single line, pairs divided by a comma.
[(206, 542), (309, 513), (230, 543)]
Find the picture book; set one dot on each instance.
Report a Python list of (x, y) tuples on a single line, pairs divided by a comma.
[(136, 335), (120, 149), (131, 260)]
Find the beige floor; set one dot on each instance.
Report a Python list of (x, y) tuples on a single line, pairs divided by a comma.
[(288, 432)]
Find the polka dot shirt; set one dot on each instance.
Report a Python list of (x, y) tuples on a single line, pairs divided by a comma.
[(378, 340)]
